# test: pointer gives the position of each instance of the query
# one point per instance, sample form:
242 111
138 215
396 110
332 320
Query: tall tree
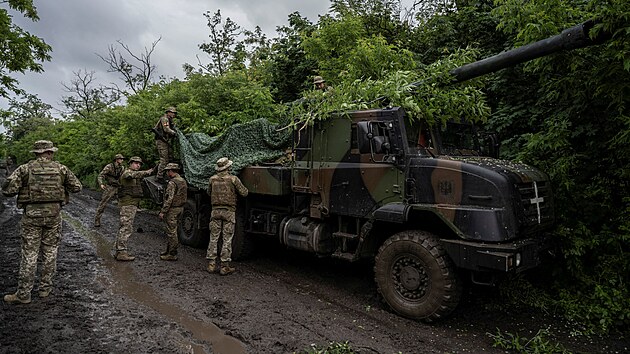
86 98
21 51
136 70
222 45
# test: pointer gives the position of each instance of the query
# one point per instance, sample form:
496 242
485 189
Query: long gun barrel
571 38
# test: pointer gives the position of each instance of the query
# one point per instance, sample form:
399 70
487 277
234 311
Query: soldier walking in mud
172 207
42 186
222 189
164 134
129 196
108 180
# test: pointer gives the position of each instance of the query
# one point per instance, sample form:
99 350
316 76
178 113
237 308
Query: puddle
127 284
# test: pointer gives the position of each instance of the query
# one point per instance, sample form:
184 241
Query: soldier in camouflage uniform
129 196
164 134
108 180
222 189
42 186
172 207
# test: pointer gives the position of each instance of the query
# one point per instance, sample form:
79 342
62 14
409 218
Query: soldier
319 83
129 196
222 189
108 180
164 134
174 200
42 186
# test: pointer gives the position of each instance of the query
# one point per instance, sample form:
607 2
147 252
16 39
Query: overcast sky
78 29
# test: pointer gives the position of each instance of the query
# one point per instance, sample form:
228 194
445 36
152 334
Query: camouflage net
245 144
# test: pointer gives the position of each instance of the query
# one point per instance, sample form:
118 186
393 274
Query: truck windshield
456 139
459 139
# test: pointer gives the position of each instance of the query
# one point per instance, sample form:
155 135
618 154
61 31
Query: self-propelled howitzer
428 206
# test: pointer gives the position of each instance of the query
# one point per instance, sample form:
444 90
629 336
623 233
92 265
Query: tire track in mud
124 282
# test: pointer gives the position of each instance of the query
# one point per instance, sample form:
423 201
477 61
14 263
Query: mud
278 301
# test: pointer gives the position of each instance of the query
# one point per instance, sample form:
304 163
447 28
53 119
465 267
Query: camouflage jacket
166 127
110 174
222 189
130 189
175 194
42 186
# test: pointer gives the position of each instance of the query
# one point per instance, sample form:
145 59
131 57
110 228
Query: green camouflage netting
245 144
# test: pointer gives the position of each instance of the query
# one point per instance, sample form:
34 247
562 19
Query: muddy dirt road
277 302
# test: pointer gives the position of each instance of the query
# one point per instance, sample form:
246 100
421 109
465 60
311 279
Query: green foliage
21 51
331 348
423 93
577 129
539 343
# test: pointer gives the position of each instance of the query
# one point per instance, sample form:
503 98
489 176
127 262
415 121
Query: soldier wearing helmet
223 188
108 181
164 134
129 196
42 186
172 207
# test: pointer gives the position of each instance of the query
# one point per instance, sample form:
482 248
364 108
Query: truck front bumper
502 257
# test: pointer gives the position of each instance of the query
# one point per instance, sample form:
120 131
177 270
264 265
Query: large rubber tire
242 242
415 276
188 231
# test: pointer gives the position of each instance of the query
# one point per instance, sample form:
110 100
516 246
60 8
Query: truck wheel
415 276
188 231
242 243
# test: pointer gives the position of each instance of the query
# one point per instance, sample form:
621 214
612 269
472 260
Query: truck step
346 256
345 235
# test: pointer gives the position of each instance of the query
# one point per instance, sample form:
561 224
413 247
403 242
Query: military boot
212 267
44 292
226 269
124 256
97 222
14 299
168 257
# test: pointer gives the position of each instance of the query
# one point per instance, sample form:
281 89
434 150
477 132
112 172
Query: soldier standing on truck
222 189
108 180
42 186
172 207
129 196
164 134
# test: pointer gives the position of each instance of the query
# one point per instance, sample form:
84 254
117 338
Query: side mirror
490 145
364 135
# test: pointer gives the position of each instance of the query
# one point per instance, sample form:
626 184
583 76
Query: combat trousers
38 233
165 151
127 215
108 194
171 218
222 222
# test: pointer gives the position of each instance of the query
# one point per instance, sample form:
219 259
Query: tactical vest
130 191
181 192
160 128
112 178
223 191
44 185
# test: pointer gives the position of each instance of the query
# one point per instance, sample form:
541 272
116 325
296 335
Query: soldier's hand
102 186
161 216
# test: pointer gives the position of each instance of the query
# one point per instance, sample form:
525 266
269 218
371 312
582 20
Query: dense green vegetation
567 113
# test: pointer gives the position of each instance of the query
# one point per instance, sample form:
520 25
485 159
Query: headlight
518 259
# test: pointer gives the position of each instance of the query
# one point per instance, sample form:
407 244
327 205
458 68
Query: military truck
429 205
